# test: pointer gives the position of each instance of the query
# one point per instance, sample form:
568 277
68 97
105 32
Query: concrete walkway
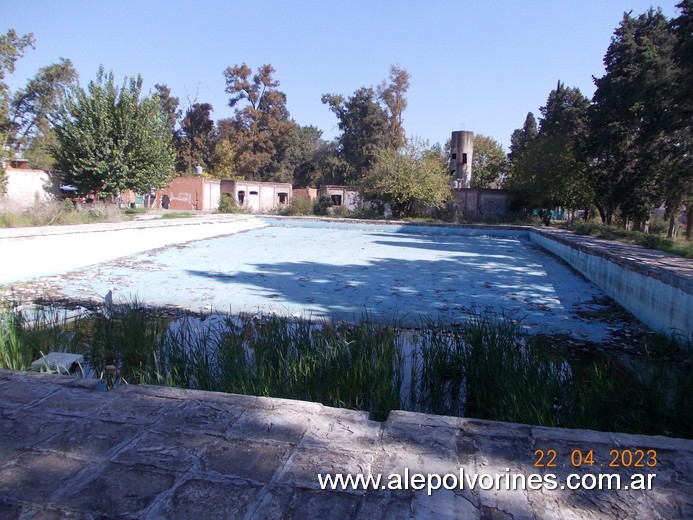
31 252
68 450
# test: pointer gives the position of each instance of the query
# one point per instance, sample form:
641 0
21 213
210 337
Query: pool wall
659 297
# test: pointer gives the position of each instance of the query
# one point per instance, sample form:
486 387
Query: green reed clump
27 335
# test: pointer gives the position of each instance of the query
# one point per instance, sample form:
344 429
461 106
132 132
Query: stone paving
69 450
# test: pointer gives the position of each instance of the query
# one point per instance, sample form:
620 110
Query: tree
522 136
12 47
678 185
196 140
364 131
34 107
407 179
262 129
392 95
549 171
489 163
630 107
168 105
112 139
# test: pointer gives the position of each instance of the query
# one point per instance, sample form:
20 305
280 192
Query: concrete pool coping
69 450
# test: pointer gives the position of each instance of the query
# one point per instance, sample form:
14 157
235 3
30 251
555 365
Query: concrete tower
461 151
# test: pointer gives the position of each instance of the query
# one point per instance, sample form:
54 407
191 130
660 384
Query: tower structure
461 152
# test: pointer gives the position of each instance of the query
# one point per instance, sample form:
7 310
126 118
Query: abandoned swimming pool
317 269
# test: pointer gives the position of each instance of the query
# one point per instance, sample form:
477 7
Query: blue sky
475 65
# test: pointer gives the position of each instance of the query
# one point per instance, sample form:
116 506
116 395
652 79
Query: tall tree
489 163
168 105
112 139
392 95
33 111
678 184
364 130
630 106
12 47
549 171
196 140
263 128
521 136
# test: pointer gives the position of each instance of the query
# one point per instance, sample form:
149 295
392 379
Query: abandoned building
189 193
26 187
461 153
258 196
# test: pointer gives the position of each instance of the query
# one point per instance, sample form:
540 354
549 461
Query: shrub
322 205
299 205
227 204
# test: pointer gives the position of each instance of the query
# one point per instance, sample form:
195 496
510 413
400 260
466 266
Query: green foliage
228 204
57 213
112 140
407 180
298 205
364 131
550 170
361 366
196 140
393 97
630 143
322 205
489 163
262 130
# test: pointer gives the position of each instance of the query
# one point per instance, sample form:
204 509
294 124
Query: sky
478 65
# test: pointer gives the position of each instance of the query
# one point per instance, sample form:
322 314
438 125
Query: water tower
461 151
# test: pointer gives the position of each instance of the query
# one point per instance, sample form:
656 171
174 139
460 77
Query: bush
322 205
227 204
299 205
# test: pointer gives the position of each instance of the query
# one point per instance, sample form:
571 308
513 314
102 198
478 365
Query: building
258 197
340 195
26 187
461 153
189 193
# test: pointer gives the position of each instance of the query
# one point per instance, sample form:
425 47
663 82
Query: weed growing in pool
485 367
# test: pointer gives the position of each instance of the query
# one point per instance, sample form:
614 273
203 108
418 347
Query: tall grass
485 368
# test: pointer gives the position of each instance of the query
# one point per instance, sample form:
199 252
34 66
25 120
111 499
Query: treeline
627 150
618 155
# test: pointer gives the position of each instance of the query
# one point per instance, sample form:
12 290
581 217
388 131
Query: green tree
489 163
262 128
196 140
549 171
521 136
112 139
12 47
364 130
409 180
678 183
34 107
630 107
392 95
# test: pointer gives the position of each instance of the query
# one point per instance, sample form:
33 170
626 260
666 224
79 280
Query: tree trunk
672 225
689 222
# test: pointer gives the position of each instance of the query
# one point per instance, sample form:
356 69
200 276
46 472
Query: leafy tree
678 184
489 163
522 136
12 47
262 129
630 109
408 179
196 140
364 130
112 139
33 108
549 171
392 95
168 105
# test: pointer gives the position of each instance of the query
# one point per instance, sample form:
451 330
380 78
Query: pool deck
71 450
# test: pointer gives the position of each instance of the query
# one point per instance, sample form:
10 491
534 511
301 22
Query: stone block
60 362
